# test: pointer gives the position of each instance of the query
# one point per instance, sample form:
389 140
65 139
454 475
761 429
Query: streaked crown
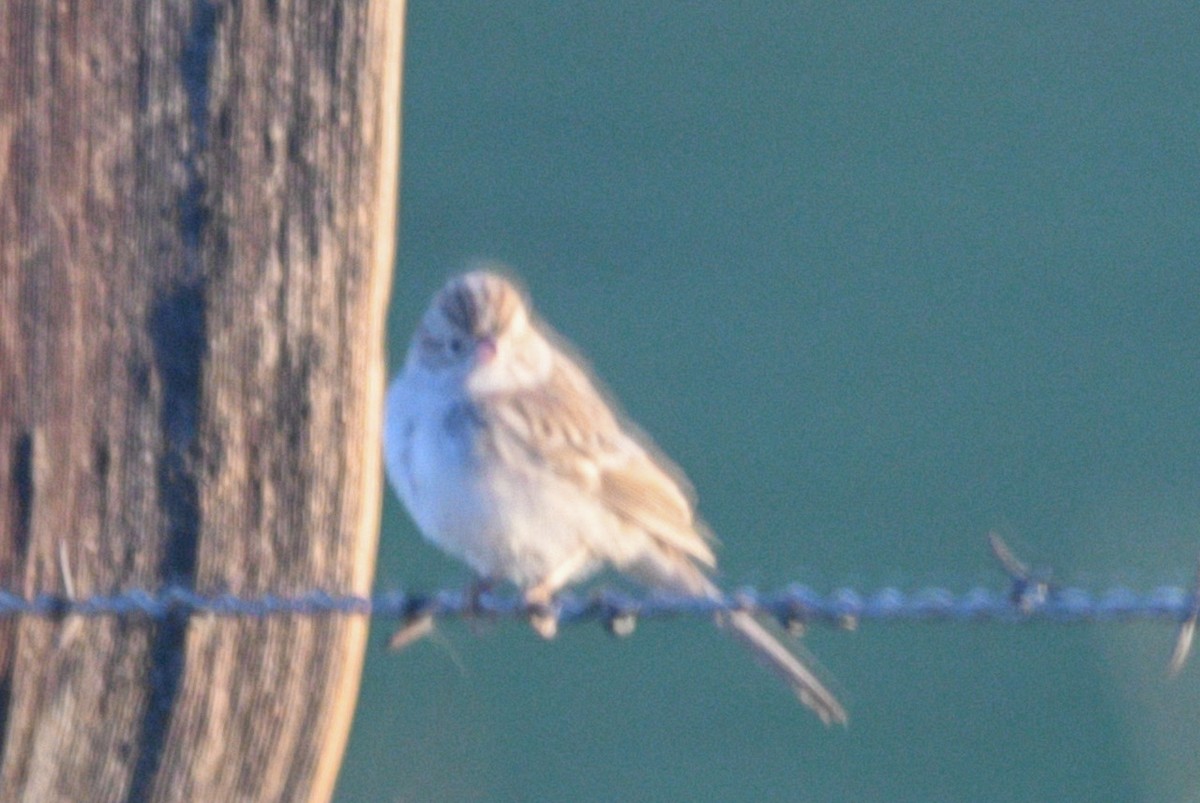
481 303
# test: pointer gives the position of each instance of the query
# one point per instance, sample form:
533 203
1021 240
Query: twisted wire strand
1031 596
793 604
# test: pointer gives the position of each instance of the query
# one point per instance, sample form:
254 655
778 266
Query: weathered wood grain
197 206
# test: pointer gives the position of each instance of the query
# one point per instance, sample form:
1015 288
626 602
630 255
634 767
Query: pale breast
503 515
439 481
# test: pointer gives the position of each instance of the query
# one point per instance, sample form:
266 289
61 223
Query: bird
511 458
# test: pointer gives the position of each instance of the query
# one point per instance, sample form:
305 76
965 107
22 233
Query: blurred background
881 278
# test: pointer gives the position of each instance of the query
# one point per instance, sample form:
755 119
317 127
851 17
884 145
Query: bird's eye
457 346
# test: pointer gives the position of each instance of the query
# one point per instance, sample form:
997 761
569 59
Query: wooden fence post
197 210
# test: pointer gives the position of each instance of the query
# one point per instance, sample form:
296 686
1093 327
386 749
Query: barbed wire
793 604
1031 596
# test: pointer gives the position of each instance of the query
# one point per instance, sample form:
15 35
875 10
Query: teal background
882 277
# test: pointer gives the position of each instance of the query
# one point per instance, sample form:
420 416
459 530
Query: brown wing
581 440
641 491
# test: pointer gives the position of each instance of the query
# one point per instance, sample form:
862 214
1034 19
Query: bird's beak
485 350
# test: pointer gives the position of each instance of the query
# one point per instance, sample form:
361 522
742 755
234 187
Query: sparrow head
477 330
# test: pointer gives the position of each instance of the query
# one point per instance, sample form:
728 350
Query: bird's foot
543 617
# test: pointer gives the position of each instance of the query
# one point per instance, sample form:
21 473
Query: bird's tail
774 656
683 576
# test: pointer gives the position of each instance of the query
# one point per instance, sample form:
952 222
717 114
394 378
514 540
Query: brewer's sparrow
510 459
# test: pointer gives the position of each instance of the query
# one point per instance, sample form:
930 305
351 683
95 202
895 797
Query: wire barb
1187 632
1029 588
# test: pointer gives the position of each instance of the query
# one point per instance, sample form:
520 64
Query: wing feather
566 425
